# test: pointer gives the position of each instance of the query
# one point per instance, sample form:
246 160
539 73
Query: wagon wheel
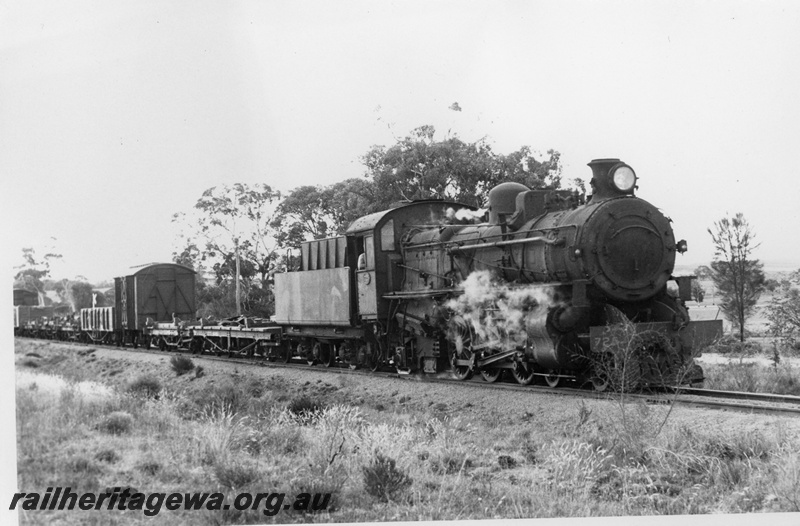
316 353
552 378
287 351
491 375
162 344
374 357
523 373
460 338
328 355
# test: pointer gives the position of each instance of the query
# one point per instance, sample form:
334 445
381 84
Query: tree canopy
784 316
419 166
34 270
317 212
227 220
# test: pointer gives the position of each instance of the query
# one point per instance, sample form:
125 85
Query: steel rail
739 395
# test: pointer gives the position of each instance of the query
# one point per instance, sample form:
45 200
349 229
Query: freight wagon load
31 321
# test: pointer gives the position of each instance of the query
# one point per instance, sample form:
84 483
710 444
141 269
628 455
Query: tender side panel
314 297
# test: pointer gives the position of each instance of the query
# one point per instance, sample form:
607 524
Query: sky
116 115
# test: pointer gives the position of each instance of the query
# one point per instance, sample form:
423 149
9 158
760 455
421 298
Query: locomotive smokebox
611 178
503 201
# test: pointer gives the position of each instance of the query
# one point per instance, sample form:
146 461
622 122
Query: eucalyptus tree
739 279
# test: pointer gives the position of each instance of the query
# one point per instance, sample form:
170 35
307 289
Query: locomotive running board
413 294
486 361
496 358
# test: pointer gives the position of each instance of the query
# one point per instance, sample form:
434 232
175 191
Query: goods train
542 286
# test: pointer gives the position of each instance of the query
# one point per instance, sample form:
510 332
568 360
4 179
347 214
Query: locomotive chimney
611 178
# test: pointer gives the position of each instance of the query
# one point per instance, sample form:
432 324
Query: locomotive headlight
624 177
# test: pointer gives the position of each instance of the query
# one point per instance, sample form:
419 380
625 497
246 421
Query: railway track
762 403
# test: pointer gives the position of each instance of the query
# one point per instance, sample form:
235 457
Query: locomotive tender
542 289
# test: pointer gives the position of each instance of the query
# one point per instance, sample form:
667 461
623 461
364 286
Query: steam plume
498 313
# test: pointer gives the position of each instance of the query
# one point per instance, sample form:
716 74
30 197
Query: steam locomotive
549 287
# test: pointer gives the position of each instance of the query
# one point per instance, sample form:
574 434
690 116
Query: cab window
369 251
387 236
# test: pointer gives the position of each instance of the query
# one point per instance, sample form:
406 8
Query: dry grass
780 378
400 462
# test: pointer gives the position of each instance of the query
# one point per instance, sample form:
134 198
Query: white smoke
465 214
498 313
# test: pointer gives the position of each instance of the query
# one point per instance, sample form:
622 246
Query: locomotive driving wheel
523 373
460 337
600 381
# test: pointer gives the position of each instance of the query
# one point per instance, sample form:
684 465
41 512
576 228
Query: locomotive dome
503 201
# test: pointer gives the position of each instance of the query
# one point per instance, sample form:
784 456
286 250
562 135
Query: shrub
181 364
384 480
227 395
304 406
255 387
786 484
506 462
451 462
107 455
575 466
731 345
82 464
278 440
145 385
149 467
116 423
235 475
784 379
